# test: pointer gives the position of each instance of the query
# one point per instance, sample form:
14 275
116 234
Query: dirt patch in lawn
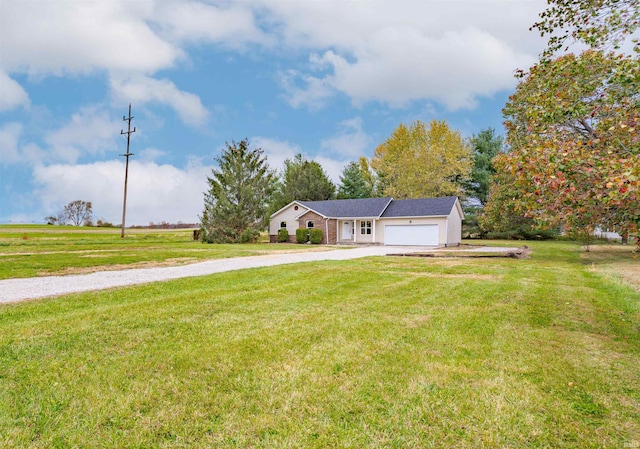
115 267
523 252
615 261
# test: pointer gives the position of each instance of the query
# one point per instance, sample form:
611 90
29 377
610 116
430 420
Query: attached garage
411 235
377 221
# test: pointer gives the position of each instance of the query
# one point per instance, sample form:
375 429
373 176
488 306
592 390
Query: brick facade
274 238
319 222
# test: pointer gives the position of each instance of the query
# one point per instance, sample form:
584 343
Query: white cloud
154 193
10 134
42 38
351 141
450 52
277 151
90 131
150 154
314 91
12 94
233 26
143 89
332 167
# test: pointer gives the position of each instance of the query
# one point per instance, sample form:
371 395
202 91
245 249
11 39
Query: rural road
13 290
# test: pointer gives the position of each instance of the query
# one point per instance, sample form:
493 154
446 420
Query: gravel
14 290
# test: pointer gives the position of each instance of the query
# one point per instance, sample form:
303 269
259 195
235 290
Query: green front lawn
378 352
40 250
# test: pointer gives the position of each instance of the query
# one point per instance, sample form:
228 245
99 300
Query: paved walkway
13 290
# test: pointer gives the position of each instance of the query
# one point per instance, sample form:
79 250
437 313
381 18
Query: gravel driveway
13 290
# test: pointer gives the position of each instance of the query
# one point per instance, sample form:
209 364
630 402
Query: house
382 221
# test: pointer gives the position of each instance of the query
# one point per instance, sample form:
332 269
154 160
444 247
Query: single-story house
382 221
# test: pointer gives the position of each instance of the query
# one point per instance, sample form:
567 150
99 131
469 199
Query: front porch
356 231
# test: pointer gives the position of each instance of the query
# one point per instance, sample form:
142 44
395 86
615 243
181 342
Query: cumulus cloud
352 141
9 137
277 151
155 192
392 52
90 131
449 52
12 95
143 89
232 25
42 38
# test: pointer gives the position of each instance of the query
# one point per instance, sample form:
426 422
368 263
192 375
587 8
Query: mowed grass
378 352
40 250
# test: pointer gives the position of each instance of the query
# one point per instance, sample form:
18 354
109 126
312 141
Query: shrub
283 235
315 236
523 233
302 235
249 235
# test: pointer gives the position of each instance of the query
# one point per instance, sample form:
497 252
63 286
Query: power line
128 132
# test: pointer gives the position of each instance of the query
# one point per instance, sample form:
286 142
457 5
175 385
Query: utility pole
126 170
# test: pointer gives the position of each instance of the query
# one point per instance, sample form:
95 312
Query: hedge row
309 235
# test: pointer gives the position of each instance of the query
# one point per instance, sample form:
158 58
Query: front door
347 230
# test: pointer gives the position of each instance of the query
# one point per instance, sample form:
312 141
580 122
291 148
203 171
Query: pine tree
353 183
236 204
303 180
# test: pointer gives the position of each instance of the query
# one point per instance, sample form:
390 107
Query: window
365 227
310 224
283 225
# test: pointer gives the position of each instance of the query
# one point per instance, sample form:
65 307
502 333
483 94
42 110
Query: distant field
386 352
40 250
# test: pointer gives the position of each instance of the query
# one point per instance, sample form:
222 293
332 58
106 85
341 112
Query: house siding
289 215
454 230
365 238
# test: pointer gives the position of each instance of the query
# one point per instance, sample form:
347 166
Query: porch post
374 230
355 231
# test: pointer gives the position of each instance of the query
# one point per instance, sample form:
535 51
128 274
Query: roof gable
420 207
353 208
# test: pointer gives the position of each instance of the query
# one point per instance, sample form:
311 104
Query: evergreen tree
235 206
486 145
302 180
353 183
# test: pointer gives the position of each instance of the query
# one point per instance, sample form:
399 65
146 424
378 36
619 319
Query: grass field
379 352
38 250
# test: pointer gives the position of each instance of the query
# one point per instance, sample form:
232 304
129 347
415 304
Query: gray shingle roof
365 207
385 207
420 207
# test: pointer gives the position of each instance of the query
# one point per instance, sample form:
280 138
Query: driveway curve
13 290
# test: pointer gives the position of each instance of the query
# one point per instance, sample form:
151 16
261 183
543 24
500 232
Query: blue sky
329 79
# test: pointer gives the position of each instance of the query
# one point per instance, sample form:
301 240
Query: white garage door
404 235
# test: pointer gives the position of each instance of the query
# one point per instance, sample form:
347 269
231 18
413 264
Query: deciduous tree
237 199
573 128
596 23
423 161
78 212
